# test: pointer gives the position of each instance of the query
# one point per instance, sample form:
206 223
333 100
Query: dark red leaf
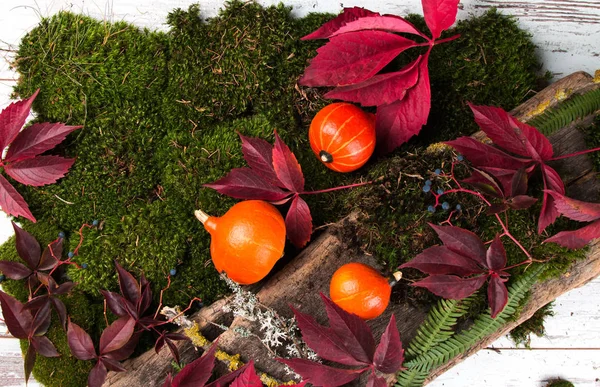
115 303
225 380
353 57
521 202
578 238
63 288
245 183
128 284
97 375
14 270
535 139
61 311
248 378
286 166
37 139
48 261
173 349
329 28
116 335
324 341
397 122
12 202
177 336
442 260
259 155
353 332
439 15
149 321
12 119
575 209
168 381
505 177
30 356
80 343
145 300
41 320
461 241
375 381
497 208
160 342
518 184
36 302
39 171
17 319
380 89
450 286
28 247
318 374
197 372
298 222
497 294
485 183
496 255
127 350
552 182
389 355
44 346
483 155
112 365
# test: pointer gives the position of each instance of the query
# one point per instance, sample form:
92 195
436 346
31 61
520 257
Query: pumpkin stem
201 216
397 276
325 157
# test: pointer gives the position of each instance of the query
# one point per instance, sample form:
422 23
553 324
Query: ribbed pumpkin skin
360 289
247 241
346 133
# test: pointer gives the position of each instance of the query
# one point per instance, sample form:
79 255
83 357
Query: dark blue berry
460 158
458 207
426 188
440 191
71 254
431 209
438 171
84 266
95 223
173 271
2 277
61 235
446 206
428 182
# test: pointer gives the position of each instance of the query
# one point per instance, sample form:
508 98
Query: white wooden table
567 33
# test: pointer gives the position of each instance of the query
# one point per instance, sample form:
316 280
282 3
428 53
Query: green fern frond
439 325
574 108
411 378
483 326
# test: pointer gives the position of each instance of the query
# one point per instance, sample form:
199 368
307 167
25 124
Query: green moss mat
161 111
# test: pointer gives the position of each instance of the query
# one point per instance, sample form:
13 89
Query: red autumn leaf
324 341
97 375
80 342
248 378
245 183
534 139
27 246
37 139
496 255
146 299
485 183
14 270
521 202
197 372
259 155
116 335
462 241
115 303
52 253
380 89
321 375
575 209
576 239
298 222
353 332
130 288
389 354
397 122
17 319
61 311
41 321
40 170
356 19
29 361
552 182
112 365
286 166
225 380
497 294
44 346
518 185
483 155
126 350
12 119
439 15
441 260
451 286
375 381
353 57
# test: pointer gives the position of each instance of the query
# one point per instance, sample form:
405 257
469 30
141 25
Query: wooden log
298 284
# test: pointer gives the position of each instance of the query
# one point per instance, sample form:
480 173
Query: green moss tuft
534 325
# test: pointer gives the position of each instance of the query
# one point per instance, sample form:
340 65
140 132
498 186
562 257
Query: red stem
574 154
447 39
334 188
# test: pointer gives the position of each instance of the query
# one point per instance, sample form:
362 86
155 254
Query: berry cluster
439 192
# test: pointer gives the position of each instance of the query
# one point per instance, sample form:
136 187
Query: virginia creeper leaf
442 260
245 183
353 57
130 288
61 311
518 184
259 155
44 346
41 320
439 15
354 333
375 381
29 359
116 335
348 15
225 380
36 302
535 139
391 23
298 222
286 166
125 351
51 255
575 209
197 372
552 182
496 255
451 286
12 119
112 365
497 294
248 378
485 183
578 238
37 139
14 270
321 375
483 155
39 171
28 247
521 202
80 343
17 319
173 349
389 354
462 241
97 375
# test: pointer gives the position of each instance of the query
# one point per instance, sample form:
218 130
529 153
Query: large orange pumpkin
342 136
360 289
247 241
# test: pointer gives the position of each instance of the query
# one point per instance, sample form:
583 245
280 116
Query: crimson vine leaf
286 166
27 246
17 319
439 15
438 260
115 303
375 381
14 270
29 361
318 374
246 183
578 238
461 241
389 354
552 182
116 335
97 375
80 343
347 16
12 202
41 321
259 156
37 139
197 372
44 346
495 257
497 294
40 170
130 288
248 378
225 380
298 222
12 118
451 286
112 365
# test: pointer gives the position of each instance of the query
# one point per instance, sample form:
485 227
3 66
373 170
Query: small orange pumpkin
360 289
247 241
342 136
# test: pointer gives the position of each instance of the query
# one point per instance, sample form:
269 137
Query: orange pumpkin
360 289
247 241
342 136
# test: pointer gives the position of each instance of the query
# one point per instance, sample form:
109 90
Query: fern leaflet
411 378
